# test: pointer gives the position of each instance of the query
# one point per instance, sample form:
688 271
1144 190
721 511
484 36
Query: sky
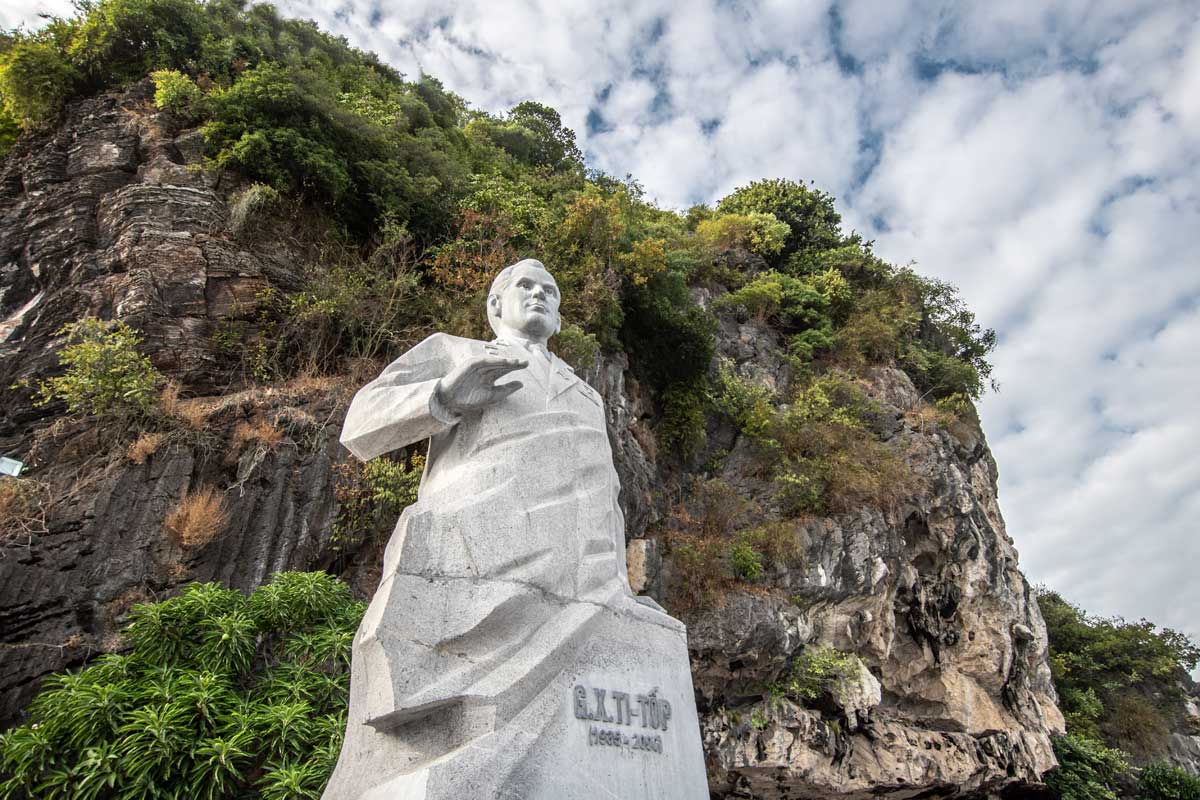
1042 156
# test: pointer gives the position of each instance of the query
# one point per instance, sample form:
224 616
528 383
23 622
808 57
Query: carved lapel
562 377
534 373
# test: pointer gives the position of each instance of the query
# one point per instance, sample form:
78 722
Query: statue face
529 304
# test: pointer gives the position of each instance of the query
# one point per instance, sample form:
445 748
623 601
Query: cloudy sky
1043 156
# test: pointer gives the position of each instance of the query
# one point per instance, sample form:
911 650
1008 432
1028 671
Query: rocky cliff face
108 216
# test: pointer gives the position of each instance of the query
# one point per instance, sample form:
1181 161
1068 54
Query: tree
1106 669
813 222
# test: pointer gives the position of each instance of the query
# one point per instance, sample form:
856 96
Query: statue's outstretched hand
472 385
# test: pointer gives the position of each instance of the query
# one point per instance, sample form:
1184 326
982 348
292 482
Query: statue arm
401 405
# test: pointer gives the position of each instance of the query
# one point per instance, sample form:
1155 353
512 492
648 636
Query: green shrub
803 307
105 372
812 221
371 496
949 353
746 562
176 92
35 81
221 695
284 125
780 543
682 424
749 405
826 459
1165 782
761 234
577 348
1105 669
1087 770
815 671
125 40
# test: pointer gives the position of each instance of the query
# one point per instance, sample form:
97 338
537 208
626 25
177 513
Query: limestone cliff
108 216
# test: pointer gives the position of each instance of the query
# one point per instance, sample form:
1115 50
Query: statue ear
493 302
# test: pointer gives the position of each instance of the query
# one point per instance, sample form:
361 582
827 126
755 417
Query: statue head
523 302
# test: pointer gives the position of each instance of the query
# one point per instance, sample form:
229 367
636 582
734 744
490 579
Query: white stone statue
504 655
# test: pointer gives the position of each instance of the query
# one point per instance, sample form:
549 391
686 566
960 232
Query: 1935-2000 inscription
652 711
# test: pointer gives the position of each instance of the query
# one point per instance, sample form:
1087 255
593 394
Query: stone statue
504 655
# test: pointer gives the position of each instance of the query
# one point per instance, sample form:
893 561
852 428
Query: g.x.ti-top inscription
652 711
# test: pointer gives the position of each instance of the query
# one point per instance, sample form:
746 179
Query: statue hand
472 385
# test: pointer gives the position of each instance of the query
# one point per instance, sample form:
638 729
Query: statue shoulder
446 345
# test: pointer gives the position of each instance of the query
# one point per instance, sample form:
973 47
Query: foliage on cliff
454 193
1117 682
220 695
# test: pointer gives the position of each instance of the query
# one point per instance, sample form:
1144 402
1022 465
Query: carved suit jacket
522 490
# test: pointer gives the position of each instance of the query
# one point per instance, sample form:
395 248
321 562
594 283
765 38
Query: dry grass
257 432
305 385
197 518
145 446
14 501
22 508
192 413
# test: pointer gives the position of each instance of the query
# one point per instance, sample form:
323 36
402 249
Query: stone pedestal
597 704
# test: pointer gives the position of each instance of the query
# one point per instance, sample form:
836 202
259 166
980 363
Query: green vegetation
813 223
1164 782
425 198
105 373
1087 770
815 671
371 496
221 695
1106 669
1116 682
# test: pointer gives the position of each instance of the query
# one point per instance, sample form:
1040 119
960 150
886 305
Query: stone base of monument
595 703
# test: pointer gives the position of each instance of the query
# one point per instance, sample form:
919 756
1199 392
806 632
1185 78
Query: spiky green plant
221 696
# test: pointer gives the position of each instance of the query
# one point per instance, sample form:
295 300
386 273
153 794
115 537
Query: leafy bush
815 671
1104 669
746 561
35 81
812 221
221 695
807 307
533 134
1087 770
1165 782
105 372
577 348
779 543
124 40
826 458
949 354
176 92
761 234
371 496
749 405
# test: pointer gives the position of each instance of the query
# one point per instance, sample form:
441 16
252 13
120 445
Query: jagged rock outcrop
929 597
108 215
